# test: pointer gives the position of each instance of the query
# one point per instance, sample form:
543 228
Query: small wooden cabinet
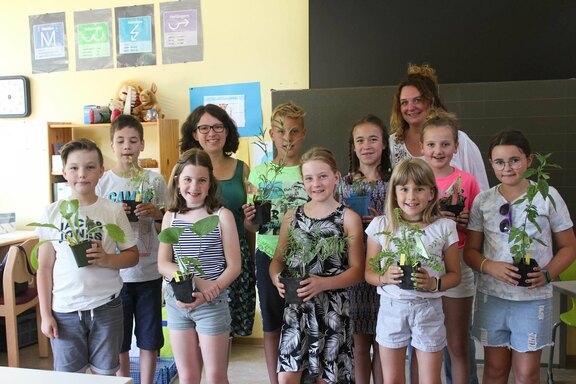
160 138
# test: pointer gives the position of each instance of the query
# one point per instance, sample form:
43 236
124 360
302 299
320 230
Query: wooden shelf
160 138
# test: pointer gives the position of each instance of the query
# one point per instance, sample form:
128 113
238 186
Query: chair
16 270
568 317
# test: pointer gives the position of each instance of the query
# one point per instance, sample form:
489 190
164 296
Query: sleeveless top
208 249
233 196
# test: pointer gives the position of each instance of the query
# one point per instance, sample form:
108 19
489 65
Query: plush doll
128 98
148 101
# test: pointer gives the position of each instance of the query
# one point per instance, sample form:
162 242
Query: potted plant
410 254
301 249
358 199
267 182
140 182
518 238
188 266
78 236
454 202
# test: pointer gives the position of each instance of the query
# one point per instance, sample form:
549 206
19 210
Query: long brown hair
198 157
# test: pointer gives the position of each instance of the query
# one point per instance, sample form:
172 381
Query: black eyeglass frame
205 128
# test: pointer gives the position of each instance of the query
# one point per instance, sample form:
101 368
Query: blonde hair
289 110
321 154
440 118
419 172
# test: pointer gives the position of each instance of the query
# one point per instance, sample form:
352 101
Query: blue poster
242 102
135 34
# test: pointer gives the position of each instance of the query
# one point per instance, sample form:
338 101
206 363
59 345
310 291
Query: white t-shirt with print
81 289
485 217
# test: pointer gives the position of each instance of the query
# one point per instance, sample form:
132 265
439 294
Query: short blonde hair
289 110
440 118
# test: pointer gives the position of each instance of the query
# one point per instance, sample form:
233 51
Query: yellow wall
244 41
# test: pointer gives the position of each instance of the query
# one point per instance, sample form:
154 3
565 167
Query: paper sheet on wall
241 101
48 42
135 42
181 31
93 32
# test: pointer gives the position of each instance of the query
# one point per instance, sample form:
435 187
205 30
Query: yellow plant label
402 259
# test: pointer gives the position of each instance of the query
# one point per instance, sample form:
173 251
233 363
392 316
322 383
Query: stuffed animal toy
128 98
148 101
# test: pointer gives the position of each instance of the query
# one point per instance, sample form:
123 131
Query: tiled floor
247 365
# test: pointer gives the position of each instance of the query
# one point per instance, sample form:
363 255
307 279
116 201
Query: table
25 375
15 237
566 287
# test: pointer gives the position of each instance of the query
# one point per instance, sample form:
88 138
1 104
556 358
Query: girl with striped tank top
192 192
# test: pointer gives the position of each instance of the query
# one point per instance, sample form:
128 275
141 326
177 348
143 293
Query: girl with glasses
512 322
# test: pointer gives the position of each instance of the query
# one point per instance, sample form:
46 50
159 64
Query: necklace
195 206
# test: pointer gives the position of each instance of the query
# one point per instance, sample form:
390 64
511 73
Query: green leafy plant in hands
409 248
188 265
140 181
518 238
302 247
74 233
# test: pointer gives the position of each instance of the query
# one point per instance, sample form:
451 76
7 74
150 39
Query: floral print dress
316 336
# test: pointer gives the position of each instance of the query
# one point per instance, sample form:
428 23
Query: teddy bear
148 101
128 98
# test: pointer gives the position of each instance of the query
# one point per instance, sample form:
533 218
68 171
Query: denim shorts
421 320
211 318
271 303
142 303
89 339
521 325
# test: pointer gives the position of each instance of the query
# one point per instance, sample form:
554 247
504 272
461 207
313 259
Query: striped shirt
208 249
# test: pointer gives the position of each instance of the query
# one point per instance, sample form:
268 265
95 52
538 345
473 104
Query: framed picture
14 96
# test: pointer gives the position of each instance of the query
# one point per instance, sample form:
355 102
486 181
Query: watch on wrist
546 275
437 285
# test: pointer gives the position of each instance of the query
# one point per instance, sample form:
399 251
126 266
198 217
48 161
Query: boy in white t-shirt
80 307
142 290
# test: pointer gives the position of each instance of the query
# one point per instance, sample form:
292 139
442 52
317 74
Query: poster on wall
93 32
48 42
241 101
181 31
135 45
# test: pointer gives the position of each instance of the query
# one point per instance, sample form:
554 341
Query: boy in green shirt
287 133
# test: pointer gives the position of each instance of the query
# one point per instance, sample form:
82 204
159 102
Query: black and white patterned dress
316 336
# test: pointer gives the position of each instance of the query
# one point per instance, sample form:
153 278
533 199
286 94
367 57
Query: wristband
437 285
546 275
482 265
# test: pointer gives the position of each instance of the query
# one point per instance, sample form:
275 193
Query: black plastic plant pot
406 280
132 204
79 252
291 284
523 270
183 289
263 211
456 209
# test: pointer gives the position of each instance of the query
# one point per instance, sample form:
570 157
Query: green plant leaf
52 226
206 225
115 232
170 235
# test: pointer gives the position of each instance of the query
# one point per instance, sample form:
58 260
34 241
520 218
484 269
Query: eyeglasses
205 128
514 163
506 223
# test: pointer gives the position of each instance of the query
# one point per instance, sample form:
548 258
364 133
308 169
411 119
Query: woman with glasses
511 321
210 128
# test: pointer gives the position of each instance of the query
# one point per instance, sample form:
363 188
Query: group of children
348 307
